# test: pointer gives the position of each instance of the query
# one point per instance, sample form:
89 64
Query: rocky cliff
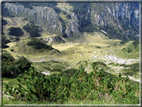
120 15
122 18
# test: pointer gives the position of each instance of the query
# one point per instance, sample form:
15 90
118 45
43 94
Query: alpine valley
70 53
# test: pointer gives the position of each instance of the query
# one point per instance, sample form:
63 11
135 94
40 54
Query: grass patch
63 16
132 71
51 66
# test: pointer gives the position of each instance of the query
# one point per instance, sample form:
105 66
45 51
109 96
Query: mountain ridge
118 20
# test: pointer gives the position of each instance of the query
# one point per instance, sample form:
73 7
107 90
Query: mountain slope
32 46
115 20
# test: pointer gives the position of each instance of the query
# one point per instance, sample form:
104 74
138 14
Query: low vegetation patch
32 29
132 47
96 86
16 31
37 44
4 22
4 42
12 68
51 66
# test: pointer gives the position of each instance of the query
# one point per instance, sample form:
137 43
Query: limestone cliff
122 18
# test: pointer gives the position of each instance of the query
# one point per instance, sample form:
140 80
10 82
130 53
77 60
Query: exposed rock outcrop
43 16
54 39
121 16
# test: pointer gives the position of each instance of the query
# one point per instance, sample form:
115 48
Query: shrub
98 47
23 64
129 49
10 71
4 22
38 44
12 68
7 57
16 31
136 43
4 46
57 9
64 12
36 87
68 17
12 50
4 40
17 38
32 29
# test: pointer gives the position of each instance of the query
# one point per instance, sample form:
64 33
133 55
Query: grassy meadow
95 47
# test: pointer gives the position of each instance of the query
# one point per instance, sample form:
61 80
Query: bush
34 33
4 40
4 46
57 9
10 71
23 64
79 85
7 57
63 27
37 44
12 50
16 31
12 68
4 22
68 17
6 13
98 47
17 38
64 12
32 29
136 43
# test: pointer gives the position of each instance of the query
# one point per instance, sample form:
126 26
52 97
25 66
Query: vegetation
35 87
63 27
6 13
58 39
132 47
136 43
114 33
4 42
133 70
68 16
4 46
4 22
12 68
51 66
85 23
16 31
57 9
37 44
67 83
32 29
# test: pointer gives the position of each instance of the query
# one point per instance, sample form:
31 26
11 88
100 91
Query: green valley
69 53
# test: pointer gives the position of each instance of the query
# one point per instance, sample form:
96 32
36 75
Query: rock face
43 16
72 28
55 39
121 16
113 12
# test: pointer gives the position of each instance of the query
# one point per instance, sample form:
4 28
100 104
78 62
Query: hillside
72 19
70 53
29 46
